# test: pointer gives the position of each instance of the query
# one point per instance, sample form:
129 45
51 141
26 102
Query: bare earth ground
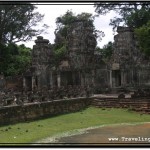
124 134
140 134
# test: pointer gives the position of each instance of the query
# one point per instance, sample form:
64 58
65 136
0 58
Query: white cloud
51 12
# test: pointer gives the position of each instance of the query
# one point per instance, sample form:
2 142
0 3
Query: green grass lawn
36 130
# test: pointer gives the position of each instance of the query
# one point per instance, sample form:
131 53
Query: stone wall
102 81
141 105
81 46
13 82
31 111
128 65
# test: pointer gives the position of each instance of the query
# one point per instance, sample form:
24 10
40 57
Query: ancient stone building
125 55
81 47
77 69
39 74
128 66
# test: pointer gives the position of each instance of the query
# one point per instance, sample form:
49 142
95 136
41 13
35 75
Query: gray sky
51 12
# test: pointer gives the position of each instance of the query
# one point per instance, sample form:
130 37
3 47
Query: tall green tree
14 59
106 51
143 36
139 18
133 14
18 22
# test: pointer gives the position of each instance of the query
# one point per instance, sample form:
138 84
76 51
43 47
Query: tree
18 22
132 14
106 51
14 59
139 18
63 23
143 36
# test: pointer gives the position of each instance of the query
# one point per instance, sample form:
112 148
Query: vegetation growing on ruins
106 51
64 23
37 130
18 22
43 83
132 14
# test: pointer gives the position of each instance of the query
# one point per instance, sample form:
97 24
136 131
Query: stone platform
141 105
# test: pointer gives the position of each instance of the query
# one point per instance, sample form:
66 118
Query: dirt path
124 134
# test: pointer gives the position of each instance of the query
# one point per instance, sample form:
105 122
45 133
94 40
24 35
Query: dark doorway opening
76 78
116 78
29 83
36 81
66 78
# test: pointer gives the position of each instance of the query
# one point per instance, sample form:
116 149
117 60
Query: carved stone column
24 83
111 78
51 79
58 80
122 78
82 78
33 82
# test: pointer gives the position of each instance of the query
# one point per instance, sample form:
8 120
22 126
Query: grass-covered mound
36 130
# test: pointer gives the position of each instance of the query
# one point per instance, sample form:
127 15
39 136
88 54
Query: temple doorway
116 78
28 80
66 78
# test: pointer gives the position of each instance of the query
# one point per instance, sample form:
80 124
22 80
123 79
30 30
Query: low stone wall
139 105
31 111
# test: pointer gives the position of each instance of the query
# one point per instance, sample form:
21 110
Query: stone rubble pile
10 97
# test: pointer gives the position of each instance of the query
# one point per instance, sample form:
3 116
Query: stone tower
125 58
125 47
81 47
39 74
41 56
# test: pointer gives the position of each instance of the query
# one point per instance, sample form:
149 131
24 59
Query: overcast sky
51 12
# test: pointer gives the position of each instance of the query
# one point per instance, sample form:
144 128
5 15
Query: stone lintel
124 29
41 40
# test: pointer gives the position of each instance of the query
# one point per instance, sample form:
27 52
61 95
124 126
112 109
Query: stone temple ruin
77 70
128 68
74 77
82 71
82 68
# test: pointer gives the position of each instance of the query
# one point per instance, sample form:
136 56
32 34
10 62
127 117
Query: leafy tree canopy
63 23
14 59
106 51
18 22
143 35
132 14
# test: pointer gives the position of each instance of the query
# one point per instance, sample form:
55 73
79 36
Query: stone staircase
138 105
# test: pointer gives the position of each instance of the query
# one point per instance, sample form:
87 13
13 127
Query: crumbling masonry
77 70
83 69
